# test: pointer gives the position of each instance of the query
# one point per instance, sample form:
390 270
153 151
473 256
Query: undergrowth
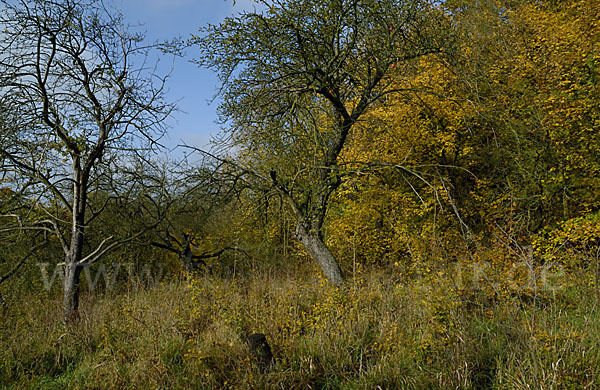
378 331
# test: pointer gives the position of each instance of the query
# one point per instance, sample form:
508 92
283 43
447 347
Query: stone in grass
261 351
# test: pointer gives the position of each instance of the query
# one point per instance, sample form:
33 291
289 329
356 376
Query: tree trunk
71 291
313 243
73 267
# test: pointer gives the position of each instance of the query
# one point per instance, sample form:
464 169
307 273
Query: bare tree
199 190
83 106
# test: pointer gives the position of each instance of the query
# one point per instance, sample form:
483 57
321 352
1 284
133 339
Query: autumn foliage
462 204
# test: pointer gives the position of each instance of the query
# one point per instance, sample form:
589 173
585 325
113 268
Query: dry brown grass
376 331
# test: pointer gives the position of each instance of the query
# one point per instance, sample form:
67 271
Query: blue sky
189 85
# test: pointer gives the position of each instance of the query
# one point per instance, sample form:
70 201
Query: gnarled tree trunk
314 244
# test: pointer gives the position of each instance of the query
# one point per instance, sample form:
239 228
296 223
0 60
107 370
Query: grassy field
379 331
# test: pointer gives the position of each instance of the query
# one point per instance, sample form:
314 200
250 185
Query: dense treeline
496 139
503 136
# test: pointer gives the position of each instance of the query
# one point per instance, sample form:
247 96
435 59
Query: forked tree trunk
73 266
313 243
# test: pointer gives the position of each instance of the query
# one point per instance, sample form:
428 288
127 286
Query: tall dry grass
379 331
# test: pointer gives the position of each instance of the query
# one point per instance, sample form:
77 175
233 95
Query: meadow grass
378 331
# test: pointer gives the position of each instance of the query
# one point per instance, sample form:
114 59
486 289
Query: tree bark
71 292
73 256
314 244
